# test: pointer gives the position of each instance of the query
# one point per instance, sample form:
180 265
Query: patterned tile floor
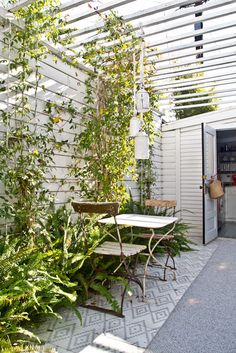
142 319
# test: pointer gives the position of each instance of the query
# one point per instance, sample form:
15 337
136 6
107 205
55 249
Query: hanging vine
104 153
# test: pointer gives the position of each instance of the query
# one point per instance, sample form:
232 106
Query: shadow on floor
228 230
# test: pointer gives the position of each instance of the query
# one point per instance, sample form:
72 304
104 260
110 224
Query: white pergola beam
147 12
192 34
192 79
213 4
163 19
52 49
216 96
202 105
166 27
195 61
221 82
157 9
194 44
105 7
63 7
184 84
204 93
180 71
199 69
20 4
72 4
201 51
192 21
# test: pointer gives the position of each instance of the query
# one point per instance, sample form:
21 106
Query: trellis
177 54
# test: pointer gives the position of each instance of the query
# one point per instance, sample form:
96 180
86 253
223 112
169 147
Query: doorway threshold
228 230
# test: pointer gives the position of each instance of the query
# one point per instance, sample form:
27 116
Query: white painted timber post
178 169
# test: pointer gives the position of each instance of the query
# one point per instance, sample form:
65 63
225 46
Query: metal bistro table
145 221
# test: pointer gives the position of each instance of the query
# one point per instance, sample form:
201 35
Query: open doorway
226 169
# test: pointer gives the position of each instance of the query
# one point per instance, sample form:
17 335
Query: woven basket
215 189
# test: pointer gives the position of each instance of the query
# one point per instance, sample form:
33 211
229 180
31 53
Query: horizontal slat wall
61 83
157 167
168 172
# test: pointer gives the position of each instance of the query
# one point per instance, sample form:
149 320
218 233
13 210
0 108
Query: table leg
151 256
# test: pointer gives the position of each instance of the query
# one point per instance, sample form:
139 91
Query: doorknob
201 187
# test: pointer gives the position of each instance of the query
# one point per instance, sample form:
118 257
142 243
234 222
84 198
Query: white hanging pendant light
143 101
134 126
142 96
141 146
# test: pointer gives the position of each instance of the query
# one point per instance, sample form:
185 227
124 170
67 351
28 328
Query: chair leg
170 267
173 267
173 260
132 277
165 269
123 298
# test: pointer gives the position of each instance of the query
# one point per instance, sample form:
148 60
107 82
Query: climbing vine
29 143
104 153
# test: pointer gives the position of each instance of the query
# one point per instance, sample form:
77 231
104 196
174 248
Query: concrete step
108 343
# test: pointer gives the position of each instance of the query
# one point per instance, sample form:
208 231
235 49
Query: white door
210 228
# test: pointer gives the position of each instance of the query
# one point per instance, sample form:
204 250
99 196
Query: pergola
191 37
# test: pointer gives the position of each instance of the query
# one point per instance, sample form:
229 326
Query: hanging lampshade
134 126
142 101
141 146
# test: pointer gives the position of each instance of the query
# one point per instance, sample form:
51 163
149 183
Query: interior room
226 168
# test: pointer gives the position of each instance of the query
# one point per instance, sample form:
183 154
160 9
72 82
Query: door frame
203 187
217 127
204 127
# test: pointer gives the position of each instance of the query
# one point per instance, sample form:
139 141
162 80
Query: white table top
143 221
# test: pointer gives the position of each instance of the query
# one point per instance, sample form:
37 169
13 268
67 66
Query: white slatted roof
170 27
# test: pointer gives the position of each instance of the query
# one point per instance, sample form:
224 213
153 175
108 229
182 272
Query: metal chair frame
167 237
117 248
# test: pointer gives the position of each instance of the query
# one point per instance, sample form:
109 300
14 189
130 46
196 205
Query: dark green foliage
31 285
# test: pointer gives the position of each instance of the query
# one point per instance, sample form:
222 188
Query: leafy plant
104 153
6 347
31 285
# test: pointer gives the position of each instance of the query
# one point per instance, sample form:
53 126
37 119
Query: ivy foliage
104 153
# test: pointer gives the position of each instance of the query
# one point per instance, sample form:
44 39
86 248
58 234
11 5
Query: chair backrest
167 204
161 203
110 208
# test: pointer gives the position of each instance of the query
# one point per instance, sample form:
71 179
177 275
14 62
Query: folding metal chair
163 208
112 248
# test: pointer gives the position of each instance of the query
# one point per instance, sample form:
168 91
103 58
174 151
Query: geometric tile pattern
142 319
